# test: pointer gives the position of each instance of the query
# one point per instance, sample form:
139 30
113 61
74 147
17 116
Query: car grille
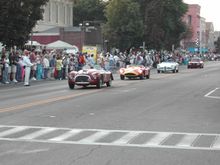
82 79
130 74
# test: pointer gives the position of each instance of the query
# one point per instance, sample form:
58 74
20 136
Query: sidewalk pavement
13 84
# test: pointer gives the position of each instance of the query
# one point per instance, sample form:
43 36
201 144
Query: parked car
196 62
90 76
168 66
135 71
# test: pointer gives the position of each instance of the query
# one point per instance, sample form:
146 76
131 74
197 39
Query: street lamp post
82 33
106 46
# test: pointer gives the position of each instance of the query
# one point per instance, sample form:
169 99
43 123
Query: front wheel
122 77
71 86
99 83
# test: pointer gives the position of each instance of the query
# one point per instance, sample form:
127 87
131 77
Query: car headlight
71 76
95 75
121 71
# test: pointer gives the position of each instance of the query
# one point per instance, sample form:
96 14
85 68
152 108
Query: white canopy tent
60 45
1 46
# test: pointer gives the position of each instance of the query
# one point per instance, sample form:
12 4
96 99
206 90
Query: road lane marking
188 140
158 139
127 138
211 92
121 138
94 137
46 101
66 135
12 131
38 133
216 143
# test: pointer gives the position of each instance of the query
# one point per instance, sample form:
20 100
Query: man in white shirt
27 64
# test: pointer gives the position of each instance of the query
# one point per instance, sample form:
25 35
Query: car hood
135 70
167 64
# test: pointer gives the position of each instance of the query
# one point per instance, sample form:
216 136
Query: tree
124 27
217 45
88 10
17 20
163 24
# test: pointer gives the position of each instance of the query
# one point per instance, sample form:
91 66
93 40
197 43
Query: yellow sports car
135 71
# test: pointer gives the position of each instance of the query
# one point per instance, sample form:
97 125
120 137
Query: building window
49 11
189 20
57 13
64 14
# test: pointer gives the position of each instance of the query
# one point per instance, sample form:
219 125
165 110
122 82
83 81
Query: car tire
158 71
141 77
122 77
71 86
99 83
148 76
174 70
109 83
177 71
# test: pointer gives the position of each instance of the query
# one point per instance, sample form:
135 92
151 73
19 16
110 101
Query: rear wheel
109 83
141 77
148 76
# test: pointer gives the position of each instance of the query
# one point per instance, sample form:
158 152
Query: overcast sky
210 10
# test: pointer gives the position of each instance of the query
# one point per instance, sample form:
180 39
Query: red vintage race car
195 62
135 71
90 76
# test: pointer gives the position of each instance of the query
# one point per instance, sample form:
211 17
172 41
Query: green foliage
17 20
163 22
124 26
88 10
217 45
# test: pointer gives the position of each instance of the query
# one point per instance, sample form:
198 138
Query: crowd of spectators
56 64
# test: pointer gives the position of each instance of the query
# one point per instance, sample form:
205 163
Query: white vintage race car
168 66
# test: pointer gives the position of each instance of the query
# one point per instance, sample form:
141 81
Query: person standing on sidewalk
59 66
28 65
5 62
13 58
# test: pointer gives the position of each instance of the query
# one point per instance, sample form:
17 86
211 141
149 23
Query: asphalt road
170 119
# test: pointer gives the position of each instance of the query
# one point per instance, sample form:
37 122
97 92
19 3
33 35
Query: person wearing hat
28 65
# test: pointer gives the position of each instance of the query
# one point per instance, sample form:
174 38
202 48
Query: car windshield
170 60
196 60
98 67
133 65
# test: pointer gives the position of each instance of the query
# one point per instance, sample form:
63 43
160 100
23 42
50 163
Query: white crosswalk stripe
188 140
38 133
216 143
66 135
125 138
94 137
157 139
12 131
